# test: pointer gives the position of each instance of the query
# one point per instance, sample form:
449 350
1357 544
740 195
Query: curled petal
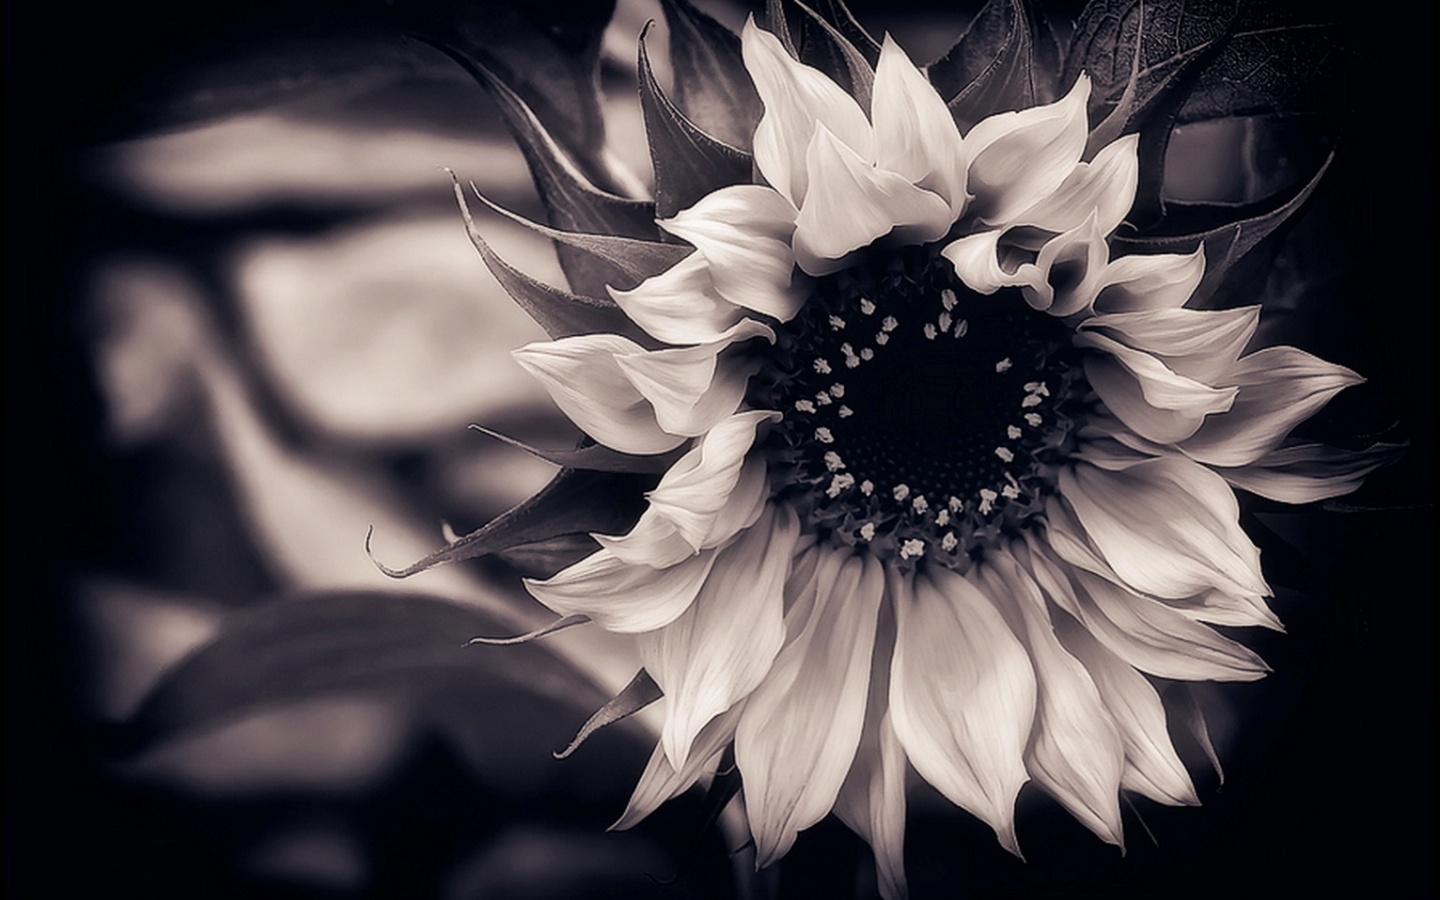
621 596
1198 344
744 231
976 259
692 498
962 695
797 98
1167 527
915 135
1070 265
1279 387
1104 186
582 375
680 305
720 648
1148 396
801 726
1018 158
1144 282
692 388
851 203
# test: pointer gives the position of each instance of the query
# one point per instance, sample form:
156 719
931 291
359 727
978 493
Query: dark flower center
922 420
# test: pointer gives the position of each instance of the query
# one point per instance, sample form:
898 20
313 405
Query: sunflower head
936 469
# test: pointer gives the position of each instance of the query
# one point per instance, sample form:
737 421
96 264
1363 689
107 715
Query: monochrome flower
1023 506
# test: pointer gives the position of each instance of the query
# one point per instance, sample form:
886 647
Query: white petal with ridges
1018 158
582 375
796 98
692 388
1167 527
801 726
1147 395
1142 282
1075 751
1104 186
621 596
915 135
962 695
720 648
1306 473
1152 768
680 305
851 203
1198 344
661 781
1279 387
744 231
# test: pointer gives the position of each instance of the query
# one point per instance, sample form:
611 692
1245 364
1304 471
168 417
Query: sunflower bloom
942 476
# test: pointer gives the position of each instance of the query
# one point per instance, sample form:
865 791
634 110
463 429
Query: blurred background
244 325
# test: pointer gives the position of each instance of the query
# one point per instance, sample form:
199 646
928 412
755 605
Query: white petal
1198 344
796 98
1075 751
1306 473
976 259
680 305
660 781
1142 282
692 388
801 726
692 497
851 203
586 382
744 231
1071 266
621 596
1104 186
1280 387
720 648
1167 527
1145 394
962 695
872 800
1152 767
1018 158
915 135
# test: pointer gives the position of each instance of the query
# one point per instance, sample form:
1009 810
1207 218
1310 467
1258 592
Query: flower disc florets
921 419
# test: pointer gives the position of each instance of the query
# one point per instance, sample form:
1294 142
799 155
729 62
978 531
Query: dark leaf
598 260
635 696
823 46
778 24
711 84
570 200
1242 228
688 162
544 558
596 457
993 67
575 502
839 15
294 649
1289 68
560 313
546 51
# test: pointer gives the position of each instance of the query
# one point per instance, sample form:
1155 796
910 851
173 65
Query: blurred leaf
599 259
546 51
298 649
559 312
576 502
1243 227
688 162
823 46
711 83
994 66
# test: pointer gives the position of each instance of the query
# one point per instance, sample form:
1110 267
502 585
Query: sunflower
942 476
